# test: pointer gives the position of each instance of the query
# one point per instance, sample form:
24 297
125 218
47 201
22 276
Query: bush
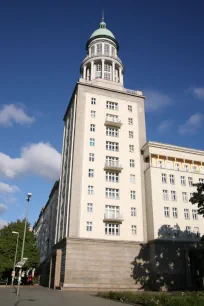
160 299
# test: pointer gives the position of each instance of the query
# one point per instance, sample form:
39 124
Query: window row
175 213
110 104
112 176
111 160
112 193
111 229
111 131
111 211
177 166
173 197
176 230
164 178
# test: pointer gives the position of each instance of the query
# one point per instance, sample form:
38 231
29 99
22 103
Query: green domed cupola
102 31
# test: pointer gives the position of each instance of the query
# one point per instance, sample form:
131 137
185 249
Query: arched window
106 49
107 71
99 49
92 50
98 71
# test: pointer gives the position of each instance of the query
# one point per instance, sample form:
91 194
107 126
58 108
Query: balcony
113 165
113 121
113 217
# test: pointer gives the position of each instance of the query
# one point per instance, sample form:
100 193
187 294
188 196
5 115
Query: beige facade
170 172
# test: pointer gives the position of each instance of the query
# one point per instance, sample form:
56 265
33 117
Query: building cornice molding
160 145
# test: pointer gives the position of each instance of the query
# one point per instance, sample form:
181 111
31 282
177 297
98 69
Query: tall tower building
101 208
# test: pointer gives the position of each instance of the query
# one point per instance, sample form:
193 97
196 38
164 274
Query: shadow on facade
174 261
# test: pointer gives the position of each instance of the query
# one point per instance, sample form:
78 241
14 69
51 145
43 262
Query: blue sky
42 46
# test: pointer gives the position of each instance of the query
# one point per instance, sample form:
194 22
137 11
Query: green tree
198 198
8 247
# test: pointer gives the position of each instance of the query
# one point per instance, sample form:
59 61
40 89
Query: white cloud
6 188
165 126
156 100
10 113
191 125
41 159
199 92
3 208
2 223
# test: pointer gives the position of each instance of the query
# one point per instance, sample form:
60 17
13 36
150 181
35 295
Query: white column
103 61
122 78
92 70
120 74
84 72
102 48
113 72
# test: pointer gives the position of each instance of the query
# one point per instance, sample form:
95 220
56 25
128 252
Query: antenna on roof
103 15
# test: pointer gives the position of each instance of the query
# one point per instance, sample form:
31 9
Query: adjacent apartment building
118 192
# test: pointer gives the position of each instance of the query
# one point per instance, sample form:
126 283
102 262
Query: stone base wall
100 264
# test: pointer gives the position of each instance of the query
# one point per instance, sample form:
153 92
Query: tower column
113 72
122 78
84 72
120 74
103 62
92 70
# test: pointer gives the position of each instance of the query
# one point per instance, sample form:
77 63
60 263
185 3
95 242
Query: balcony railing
113 217
100 55
113 121
113 165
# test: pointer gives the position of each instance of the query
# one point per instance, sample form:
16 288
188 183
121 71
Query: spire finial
103 15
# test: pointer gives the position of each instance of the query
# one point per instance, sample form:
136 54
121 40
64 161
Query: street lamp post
29 195
14 264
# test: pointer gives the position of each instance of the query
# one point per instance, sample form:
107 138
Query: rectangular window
134 229
186 168
112 146
112 193
201 180
196 230
99 49
132 195
130 108
132 163
185 196
177 166
112 229
106 49
92 50
166 212
160 164
90 189
175 212
186 214
112 177
91 173
112 161
194 214
133 212
93 114
165 195
183 180
93 101
130 134
173 195
111 105
172 179
91 157
98 71
112 118
188 229
190 181
89 207
92 127
112 212
164 178
132 178
112 132
92 142
131 148
130 121
89 226
194 168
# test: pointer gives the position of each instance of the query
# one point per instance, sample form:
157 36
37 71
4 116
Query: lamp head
29 195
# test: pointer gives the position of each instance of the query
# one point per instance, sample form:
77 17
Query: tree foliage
198 198
8 247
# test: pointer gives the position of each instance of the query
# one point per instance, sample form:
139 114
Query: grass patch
157 299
